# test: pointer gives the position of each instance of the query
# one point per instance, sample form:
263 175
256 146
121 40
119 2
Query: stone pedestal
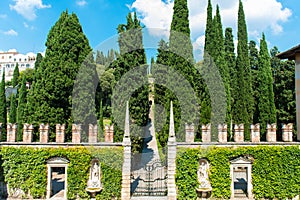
238 133
109 133
11 132
287 132
222 130
206 133
76 133
60 133
93 133
44 133
255 133
271 133
27 133
189 133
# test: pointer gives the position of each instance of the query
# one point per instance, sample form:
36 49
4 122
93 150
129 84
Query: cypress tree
266 105
132 54
243 106
3 111
101 124
16 75
50 98
21 109
13 109
253 57
37 64
208 46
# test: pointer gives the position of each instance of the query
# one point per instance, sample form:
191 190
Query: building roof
289 54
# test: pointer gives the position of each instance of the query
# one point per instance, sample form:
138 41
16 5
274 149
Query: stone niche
241 178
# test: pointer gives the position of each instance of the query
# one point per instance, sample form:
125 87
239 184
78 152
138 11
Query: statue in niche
94 183
202 174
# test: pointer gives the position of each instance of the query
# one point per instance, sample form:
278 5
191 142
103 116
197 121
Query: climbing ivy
275 171
25 168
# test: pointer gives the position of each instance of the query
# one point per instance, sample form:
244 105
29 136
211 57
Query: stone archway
57 184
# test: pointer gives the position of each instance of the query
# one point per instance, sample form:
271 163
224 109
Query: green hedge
275 171
25 168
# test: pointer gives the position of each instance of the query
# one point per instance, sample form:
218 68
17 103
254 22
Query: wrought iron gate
150 180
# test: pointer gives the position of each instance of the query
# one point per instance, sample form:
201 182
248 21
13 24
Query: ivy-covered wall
26 168
275 170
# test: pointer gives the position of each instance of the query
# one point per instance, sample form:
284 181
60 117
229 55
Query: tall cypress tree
132 54
208 46
16 75
21 109
266 104
3 110
13 109
50 98
243 106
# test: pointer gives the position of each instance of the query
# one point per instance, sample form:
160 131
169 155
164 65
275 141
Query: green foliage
25 168
50 99
243 106
21 109
15 77
29 75
13 109
3 110
274 168
266 105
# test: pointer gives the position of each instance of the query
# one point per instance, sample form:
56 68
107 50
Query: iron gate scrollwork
150 180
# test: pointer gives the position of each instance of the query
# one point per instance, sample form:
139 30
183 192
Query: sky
24 24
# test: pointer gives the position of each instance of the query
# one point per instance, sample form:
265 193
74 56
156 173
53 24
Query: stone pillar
109 133
11 132
255 133
93 133
60 133
287 132
76 133
206 133
27 133
171 184
271 133
126 168
238 133
222 136
297 87
44 133
189 133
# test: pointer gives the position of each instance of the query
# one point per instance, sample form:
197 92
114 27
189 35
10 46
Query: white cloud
3 16
155 14
28 26
27 8
260 16
10 32
81 2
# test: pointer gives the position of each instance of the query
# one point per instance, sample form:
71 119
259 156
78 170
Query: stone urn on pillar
94 185
204 189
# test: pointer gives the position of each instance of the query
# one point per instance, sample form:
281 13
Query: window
27 65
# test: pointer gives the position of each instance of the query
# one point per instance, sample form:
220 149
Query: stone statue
95 172
94 183
202 174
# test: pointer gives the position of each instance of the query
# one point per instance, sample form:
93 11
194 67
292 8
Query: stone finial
109 133
44 133
222 136
189 132
206 133
11 132
60 133
27 133
287 132
238 133
127 126
255 133
171 127
76 133
93 133
271 132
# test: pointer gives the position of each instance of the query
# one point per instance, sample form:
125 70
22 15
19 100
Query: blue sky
24 24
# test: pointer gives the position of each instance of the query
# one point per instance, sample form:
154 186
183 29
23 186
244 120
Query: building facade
10 59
